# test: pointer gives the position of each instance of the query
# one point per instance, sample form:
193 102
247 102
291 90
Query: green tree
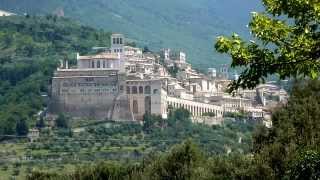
62 121
295 126
305 166
40 123
181 163
287 43
22 127
151 122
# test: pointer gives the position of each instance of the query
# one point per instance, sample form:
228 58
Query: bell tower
117 43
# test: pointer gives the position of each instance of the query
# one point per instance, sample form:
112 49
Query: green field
60 150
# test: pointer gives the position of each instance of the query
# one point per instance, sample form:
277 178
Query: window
92 64
135 107
104 64
98 64
121 88
140 90
120 40
114 40
155 91
147 90
128 90
134 90
147 104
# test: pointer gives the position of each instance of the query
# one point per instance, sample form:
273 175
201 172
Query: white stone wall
196 108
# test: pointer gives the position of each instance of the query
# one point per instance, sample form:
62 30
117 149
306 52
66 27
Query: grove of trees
30 49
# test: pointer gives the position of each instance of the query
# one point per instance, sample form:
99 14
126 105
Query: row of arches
141 90
102 64
195 110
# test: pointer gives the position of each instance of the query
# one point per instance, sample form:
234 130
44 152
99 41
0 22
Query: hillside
183 24
31 48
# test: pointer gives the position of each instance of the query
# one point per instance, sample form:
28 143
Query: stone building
123 84
92 89
85 93
117 43
146 96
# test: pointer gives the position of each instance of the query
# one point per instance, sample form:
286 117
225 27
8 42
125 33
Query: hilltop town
77 102
123 83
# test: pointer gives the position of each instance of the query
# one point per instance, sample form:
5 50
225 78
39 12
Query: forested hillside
31 48
183 24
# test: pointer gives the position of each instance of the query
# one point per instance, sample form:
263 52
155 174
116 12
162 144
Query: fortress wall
85 96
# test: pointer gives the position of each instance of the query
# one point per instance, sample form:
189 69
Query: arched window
135 107
140 90
134 90
92 64
147 90
155 91
147 105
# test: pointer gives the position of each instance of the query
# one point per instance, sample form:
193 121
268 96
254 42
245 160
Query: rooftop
100 56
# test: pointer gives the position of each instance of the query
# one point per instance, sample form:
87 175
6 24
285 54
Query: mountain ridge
179 24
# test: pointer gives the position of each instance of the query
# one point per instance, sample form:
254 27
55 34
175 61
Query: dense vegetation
182 24
287 43
288 150
64 150
31 48
184 161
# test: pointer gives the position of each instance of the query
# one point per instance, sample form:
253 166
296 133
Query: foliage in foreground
295 132
288 150
288 43
184 161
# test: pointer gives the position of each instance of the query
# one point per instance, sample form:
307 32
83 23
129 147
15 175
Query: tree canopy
30 49
286 43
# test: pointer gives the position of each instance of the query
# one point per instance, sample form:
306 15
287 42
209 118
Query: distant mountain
189 25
